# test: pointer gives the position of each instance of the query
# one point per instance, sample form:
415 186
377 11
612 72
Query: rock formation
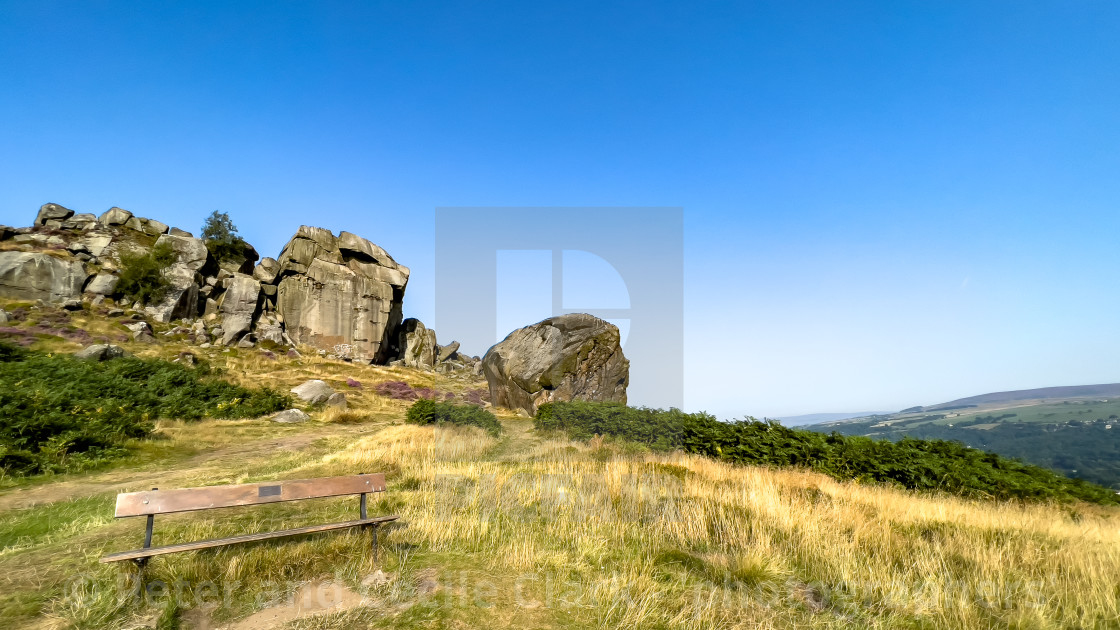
570 357
339 294
40 276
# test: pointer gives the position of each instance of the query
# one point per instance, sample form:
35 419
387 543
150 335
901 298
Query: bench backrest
190 499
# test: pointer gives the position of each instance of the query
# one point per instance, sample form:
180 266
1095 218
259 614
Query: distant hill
816 418
1073 430
1110 390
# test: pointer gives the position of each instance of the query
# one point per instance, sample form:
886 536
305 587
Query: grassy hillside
517 528
1078 438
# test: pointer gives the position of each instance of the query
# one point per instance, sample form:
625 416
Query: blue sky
886 203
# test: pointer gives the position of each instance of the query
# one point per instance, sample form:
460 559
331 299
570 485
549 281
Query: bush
425 411
142 275
60 413
910 463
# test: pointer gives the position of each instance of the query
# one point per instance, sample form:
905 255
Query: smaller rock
114 216
337 399
446 352
115 312
177 232
290 416
72 305
139 327
246 342
293 354
205 345
143 337
100 352
155 228
102 284
186 358
4 316
52 211
377 578
313 392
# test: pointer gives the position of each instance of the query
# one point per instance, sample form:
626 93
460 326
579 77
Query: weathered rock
114 216
337 399
83 221
72 305
37 276
313 392
102 284
96 242
155 228
239 306
266 270
329 295
448 351
290 416
52 211
5 317
177 232
139 327
246 342
7 232
100 352
270 331
416 344
570 357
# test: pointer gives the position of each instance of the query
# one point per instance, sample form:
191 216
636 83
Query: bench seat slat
219 542
208 497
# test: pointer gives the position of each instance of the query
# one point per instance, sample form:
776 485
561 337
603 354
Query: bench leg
374 543
141 564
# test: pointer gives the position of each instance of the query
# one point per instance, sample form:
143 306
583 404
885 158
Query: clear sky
886 203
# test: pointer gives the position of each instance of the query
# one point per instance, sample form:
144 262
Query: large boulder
52 212
238 306
340 291
570 357
417 344
38 276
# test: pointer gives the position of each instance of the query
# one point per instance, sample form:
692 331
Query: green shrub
910 463
221 238
426 411
61 413
142 275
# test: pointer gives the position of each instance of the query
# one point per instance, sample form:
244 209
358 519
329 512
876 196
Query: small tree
222 240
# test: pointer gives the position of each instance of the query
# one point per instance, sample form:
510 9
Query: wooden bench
150 503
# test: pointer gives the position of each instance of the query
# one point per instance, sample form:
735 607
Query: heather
60 413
